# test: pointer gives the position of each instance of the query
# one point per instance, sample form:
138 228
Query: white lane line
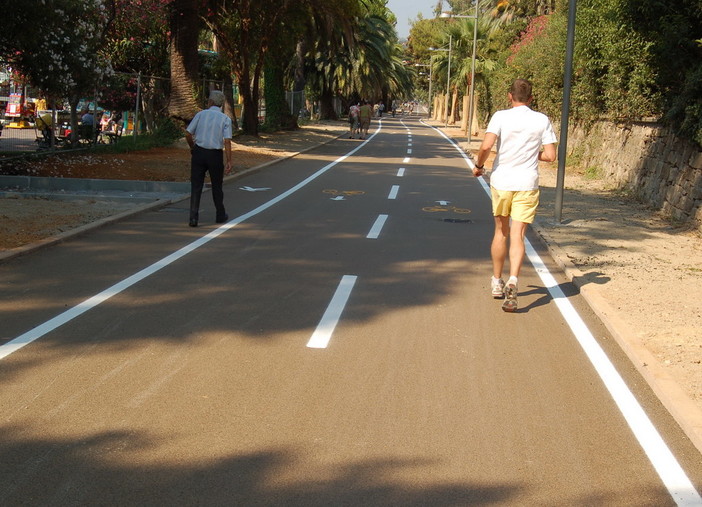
377 227
401 172
650 440
393 192
406 160
409 144
321 336
409 151
90 303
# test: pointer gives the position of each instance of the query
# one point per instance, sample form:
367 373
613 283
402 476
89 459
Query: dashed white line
377 227
90 303
401 172
393 192
406 160
321 336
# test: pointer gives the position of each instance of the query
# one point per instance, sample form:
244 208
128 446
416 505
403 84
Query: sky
405 10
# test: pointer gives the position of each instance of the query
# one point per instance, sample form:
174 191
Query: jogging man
520 134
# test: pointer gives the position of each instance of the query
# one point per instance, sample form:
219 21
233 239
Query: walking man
365 112
208 133
520 134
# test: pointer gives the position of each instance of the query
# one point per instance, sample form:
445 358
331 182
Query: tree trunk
326 106
454 109
300 51
278 115
184 25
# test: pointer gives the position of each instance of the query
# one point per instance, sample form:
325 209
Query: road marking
90 303
377 227
393 192
321 336
669 470
409 151
409 144
401 172
406 160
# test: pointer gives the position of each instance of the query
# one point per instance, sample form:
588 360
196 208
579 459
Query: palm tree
185 28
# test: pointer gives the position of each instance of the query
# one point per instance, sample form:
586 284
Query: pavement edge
681 406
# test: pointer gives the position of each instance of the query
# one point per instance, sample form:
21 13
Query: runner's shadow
569 289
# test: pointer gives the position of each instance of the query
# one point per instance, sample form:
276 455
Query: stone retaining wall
647 160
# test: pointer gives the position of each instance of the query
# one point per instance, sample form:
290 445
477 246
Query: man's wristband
479 166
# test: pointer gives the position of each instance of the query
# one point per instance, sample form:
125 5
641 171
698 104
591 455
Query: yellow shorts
520 205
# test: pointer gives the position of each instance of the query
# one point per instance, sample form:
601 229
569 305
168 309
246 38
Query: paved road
334 344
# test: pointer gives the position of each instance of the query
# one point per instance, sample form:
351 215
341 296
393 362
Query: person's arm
190 139
228 154
484 153
548 154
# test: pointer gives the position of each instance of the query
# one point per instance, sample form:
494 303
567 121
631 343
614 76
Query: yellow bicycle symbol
343 192
435 209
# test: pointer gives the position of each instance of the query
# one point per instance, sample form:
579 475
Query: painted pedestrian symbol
340 195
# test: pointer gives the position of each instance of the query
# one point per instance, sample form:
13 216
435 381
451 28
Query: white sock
496 279
512 280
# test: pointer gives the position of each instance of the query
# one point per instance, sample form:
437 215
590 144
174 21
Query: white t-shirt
520 134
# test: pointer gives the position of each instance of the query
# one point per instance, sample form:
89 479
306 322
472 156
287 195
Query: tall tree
68 64
184 23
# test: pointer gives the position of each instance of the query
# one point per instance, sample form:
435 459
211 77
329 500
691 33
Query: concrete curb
24 250
684 409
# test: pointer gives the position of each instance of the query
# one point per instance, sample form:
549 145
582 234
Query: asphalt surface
334 344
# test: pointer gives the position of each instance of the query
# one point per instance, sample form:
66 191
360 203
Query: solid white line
377 227
90 303
393 192
650 440
401 172
321 336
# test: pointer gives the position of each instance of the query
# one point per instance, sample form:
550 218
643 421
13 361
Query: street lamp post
471 94
448 82
431 69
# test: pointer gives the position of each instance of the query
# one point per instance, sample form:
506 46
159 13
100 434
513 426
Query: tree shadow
98 470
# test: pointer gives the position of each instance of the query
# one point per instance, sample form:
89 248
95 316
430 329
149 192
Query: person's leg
517 231
198 168
216 168
498 249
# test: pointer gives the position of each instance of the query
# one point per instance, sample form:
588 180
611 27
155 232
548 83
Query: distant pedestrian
514 182
208 133
364 114
354 125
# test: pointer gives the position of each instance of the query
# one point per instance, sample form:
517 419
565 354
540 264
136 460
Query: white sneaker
498 288
510 304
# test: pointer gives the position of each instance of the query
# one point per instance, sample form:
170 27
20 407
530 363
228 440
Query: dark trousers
204 161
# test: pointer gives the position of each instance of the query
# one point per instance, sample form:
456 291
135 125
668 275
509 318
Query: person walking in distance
364 114
520 133
208 133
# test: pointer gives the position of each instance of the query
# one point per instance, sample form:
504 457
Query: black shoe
223 219
192 223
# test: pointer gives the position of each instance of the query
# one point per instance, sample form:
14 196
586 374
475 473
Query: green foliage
614 75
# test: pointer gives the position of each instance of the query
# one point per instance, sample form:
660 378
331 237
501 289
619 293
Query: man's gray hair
217 98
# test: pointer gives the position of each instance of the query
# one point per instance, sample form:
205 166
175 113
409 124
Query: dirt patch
26 220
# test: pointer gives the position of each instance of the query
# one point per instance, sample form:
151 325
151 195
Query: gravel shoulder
634 266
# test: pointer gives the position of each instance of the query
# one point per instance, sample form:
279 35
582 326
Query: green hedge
634 59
